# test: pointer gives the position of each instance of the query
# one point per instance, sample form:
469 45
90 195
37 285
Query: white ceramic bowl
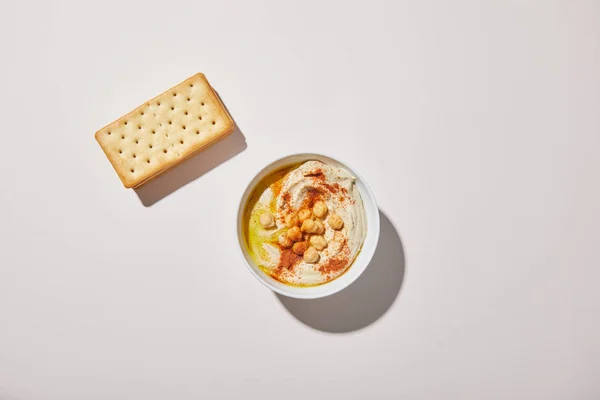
360 263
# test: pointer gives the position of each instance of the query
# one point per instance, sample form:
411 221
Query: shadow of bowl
367 299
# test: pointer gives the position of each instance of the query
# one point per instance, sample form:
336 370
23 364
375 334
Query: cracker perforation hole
197 132
148 160
213 122
170 122
137 141
172 108
120 151
184 127
202 103
139 127
165 151
132 170
185 112
122 136
181 141
134 156
150 145
188 99
200 117
109 132
153 132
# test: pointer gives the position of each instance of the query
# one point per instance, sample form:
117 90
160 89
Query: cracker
164 131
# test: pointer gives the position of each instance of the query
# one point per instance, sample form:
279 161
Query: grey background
476 123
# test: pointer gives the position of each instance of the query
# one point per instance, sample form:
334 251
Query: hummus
290 191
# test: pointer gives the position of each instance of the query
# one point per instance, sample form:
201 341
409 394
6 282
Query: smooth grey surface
477 125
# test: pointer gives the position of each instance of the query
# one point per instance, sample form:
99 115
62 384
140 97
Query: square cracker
164 131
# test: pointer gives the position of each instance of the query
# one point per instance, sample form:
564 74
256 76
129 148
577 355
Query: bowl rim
373 229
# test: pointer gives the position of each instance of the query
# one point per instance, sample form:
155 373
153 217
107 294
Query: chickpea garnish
320 209
295 234
285 242
304 215
308 226
311 255
336 222
318 242
320 227
291 220
299 248
267 220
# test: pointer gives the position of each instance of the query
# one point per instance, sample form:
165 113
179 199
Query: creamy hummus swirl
298 189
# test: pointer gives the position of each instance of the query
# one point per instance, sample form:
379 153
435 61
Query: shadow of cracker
192 168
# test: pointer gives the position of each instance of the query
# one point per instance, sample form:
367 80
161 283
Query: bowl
362 259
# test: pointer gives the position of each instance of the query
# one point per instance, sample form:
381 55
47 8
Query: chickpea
320 227
308 226
320 209
311 255
304 215
267 220
318 242
299 248
295 234
285 242
291 220
336 222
